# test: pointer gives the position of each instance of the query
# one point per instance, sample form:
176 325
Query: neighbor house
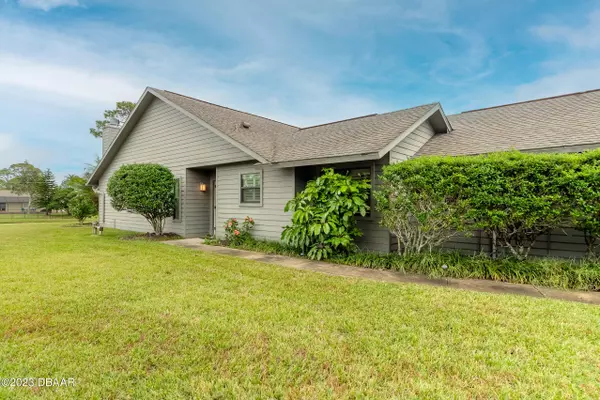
230 163
13 203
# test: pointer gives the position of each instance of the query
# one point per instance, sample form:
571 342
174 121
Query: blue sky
62 62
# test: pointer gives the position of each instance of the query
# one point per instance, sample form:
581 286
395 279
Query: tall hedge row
514 197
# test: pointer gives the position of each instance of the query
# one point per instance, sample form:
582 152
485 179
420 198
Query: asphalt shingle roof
279 142
361 135
567 120
259 137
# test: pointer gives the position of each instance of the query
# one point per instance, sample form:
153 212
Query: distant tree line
71 196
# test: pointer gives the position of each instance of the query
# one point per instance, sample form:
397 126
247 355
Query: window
250 188
177 188
2 206
360 173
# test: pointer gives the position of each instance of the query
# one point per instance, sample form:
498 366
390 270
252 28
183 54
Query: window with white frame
250 187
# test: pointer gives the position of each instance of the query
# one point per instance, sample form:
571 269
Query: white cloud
585 36
47 5
575 79
63 80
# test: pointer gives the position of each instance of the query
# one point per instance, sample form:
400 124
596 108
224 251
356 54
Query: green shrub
81 207
512 196
236 233
584 192
324 220
145 189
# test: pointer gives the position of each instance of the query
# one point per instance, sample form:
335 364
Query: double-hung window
250 188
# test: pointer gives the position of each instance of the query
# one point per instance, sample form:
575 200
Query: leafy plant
236 233
323 221
81 207
145 189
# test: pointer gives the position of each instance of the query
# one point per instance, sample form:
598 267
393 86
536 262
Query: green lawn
135 319
24 218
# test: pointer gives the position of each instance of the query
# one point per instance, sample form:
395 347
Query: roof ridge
228 108
369 115
529 101
341 120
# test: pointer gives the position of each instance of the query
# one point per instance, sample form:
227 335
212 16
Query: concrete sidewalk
393 276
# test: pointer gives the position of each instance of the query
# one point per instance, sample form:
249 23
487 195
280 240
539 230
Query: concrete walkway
393 276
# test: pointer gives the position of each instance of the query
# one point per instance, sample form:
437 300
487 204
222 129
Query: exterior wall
165 136
375 237
562 243
16 207
198 204
408 147
277 189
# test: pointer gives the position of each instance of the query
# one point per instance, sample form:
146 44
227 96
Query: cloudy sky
62 62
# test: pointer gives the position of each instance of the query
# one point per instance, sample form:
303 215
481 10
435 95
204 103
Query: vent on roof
245 125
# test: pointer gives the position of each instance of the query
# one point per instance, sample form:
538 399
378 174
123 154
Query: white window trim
262 188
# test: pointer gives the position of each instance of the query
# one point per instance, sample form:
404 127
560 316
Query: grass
140 319
559 273
29 218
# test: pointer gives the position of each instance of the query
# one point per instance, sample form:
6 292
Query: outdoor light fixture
203 187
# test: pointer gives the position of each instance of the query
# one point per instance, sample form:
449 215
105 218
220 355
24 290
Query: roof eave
327 160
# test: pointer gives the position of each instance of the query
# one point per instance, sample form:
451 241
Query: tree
324 220
44 192
120 113
82 207
145 189
72 186
5 177
21 178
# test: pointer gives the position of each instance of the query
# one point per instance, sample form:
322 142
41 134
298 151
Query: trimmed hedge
513 197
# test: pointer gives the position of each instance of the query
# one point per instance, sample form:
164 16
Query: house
13 203
230 163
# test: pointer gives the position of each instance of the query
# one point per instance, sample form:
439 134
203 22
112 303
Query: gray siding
562 243
409 146
197 203
165 136
375 237
277 189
